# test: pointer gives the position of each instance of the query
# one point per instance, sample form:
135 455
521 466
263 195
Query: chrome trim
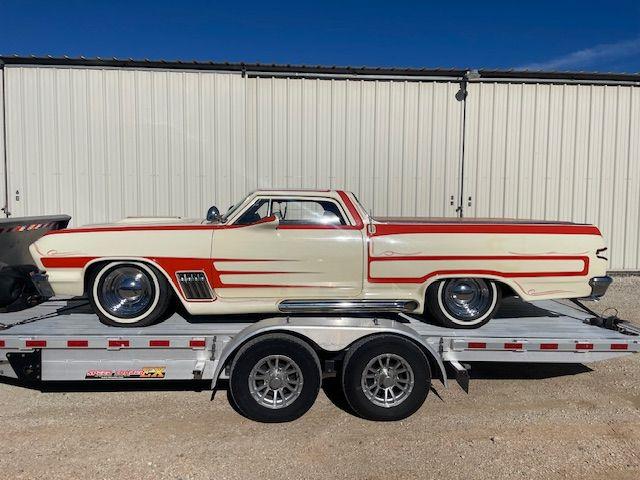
341 306
599 286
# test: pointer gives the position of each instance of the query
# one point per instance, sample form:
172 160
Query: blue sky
556 35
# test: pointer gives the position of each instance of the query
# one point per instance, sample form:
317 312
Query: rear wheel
463 302
385 378
275 378
129 294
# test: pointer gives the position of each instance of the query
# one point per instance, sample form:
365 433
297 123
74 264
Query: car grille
195 286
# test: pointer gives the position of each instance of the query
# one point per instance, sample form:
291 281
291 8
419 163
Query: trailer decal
140 373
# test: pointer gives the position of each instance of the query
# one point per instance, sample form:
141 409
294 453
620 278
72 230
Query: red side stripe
2 343
118 343
513 346
584 346
476 345
619 346
548 346
159 343
35 343
514 228
77 343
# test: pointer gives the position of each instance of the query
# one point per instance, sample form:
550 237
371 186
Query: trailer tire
385 378
154 285
275 378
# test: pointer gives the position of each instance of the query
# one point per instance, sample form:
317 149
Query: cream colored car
319 252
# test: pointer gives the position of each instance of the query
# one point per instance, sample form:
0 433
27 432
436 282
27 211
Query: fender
330 334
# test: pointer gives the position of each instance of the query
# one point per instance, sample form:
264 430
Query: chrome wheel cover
387 380
467 299
275 381
126 292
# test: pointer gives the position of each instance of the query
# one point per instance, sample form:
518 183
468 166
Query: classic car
319 252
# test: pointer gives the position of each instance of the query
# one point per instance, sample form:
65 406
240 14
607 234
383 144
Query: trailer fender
330 334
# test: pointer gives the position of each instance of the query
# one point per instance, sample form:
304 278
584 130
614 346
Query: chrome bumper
599 286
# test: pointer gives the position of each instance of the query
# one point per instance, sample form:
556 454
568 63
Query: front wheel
129 294
463 302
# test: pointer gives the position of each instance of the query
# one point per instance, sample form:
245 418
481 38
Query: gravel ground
519 421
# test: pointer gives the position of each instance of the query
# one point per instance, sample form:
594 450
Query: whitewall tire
463 302
128 294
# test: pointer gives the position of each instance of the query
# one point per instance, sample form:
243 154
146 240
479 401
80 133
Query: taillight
600 253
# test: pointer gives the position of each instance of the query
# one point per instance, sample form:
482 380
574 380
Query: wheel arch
508 286
94 264
319 338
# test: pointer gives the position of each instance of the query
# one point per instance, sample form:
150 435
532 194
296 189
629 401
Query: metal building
104 139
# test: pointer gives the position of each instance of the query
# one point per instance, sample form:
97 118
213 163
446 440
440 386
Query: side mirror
213 214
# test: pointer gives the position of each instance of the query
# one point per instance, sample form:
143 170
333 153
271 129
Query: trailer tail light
197 343
549 346
77 343
478 345
118 343
2 343
159 343
619 346
35 343
513 346
584 346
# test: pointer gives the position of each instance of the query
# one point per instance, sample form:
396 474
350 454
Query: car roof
302 192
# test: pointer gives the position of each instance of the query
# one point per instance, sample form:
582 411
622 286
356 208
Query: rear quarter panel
536 266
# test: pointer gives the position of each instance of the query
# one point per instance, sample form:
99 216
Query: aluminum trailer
274 366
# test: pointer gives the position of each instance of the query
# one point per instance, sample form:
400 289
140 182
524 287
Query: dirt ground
519 421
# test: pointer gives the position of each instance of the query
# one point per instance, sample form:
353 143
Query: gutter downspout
5 208
461 96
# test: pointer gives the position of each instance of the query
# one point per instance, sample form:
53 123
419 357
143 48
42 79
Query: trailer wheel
463 302
275 378
385 378
129 294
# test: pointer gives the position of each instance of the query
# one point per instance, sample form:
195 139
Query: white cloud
589 57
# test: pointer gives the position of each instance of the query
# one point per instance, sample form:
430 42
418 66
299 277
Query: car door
310 251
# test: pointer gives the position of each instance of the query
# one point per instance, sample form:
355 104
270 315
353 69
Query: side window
255 213
307 212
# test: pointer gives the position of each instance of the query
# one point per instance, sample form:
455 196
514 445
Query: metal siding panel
102 143
632 220
409 135
294 134
309 133
366 190
353 128
568 148
3 172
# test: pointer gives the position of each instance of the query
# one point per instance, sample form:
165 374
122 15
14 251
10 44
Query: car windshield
233 208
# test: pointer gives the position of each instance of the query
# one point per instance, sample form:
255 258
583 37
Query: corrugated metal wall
3 177
101 144
557 152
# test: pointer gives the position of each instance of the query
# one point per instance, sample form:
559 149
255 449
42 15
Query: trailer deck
74 345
